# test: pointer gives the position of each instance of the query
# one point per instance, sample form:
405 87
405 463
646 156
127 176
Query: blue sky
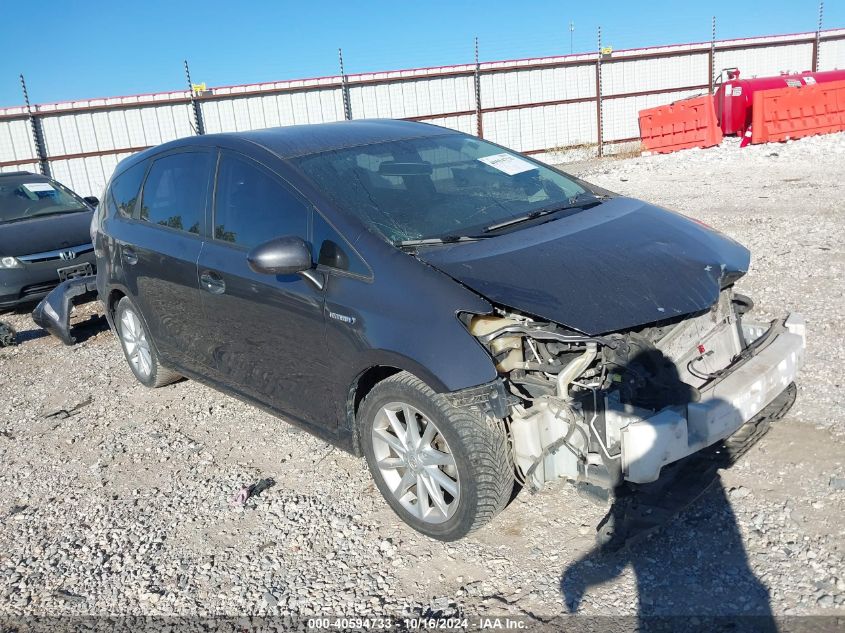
70 50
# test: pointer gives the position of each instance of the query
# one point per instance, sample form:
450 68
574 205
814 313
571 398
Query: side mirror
281 256
92 200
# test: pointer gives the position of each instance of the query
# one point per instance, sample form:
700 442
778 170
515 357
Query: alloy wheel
135 342
416 462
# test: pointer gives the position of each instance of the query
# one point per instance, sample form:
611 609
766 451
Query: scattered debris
8 336
837 483
17 509
68 596
240 498
61 412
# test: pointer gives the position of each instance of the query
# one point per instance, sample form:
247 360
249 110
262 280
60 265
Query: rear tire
450 474
140 353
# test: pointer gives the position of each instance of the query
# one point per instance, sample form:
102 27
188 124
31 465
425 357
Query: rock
270 600
739 493
825 601
837 483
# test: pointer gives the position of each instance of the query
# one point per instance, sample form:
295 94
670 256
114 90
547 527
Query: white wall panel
662 73
33 167
134 124
505 88
465 123
16 141
275 110
86 176
832 54
151 126
542 127
402 99
763 62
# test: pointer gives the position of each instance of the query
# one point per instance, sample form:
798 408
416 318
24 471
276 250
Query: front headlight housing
10 262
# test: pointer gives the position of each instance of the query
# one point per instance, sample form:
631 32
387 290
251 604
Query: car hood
622 264
48 233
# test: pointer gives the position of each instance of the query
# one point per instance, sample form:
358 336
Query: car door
265 333
159 248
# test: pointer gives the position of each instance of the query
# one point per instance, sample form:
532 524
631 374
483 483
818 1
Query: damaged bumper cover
730 400
53 313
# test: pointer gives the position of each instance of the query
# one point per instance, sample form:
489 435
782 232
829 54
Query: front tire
443 469
138 349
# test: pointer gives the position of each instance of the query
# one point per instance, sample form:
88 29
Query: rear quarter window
123 194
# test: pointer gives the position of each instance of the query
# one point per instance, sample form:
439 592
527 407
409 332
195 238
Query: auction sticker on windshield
508 163
38 187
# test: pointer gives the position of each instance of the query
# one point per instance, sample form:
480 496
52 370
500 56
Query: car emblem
342 318
67 255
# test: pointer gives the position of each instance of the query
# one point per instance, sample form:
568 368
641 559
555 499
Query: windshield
28 197
445 187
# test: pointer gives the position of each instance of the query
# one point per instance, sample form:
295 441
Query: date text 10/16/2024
412 624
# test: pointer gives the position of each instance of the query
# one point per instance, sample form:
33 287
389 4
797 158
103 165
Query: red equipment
734 97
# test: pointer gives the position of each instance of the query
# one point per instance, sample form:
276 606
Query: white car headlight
10 262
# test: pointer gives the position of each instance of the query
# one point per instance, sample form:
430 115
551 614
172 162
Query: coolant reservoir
538 430
481 325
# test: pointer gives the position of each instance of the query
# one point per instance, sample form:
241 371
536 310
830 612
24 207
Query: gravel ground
116 498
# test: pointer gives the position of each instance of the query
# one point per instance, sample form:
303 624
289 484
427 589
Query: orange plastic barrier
680 125
785 113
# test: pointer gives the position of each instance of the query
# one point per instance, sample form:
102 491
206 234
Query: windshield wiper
44 215
574 203
446 239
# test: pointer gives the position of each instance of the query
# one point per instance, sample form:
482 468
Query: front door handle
212 282
129 256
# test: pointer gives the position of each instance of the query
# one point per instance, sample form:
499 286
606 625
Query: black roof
18 174
298 140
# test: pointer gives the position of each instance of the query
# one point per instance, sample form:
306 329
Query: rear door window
175 191
252 205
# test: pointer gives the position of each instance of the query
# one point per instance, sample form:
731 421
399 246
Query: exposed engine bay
620 406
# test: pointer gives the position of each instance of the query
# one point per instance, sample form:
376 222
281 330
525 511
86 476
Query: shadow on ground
692 574
81 330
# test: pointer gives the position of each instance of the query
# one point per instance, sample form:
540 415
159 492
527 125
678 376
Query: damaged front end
621 406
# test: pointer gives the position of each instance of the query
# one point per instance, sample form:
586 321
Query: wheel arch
115 295
370 376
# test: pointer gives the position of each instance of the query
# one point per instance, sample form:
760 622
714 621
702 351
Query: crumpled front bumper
731 400
53 313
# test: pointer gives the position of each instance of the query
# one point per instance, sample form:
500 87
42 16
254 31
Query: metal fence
553 107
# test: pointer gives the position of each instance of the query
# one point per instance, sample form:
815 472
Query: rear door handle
129 256
212 282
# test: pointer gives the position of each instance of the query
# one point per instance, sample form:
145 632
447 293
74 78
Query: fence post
199 128
344 89
478 122
599 117
37 133
713 55
817 41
